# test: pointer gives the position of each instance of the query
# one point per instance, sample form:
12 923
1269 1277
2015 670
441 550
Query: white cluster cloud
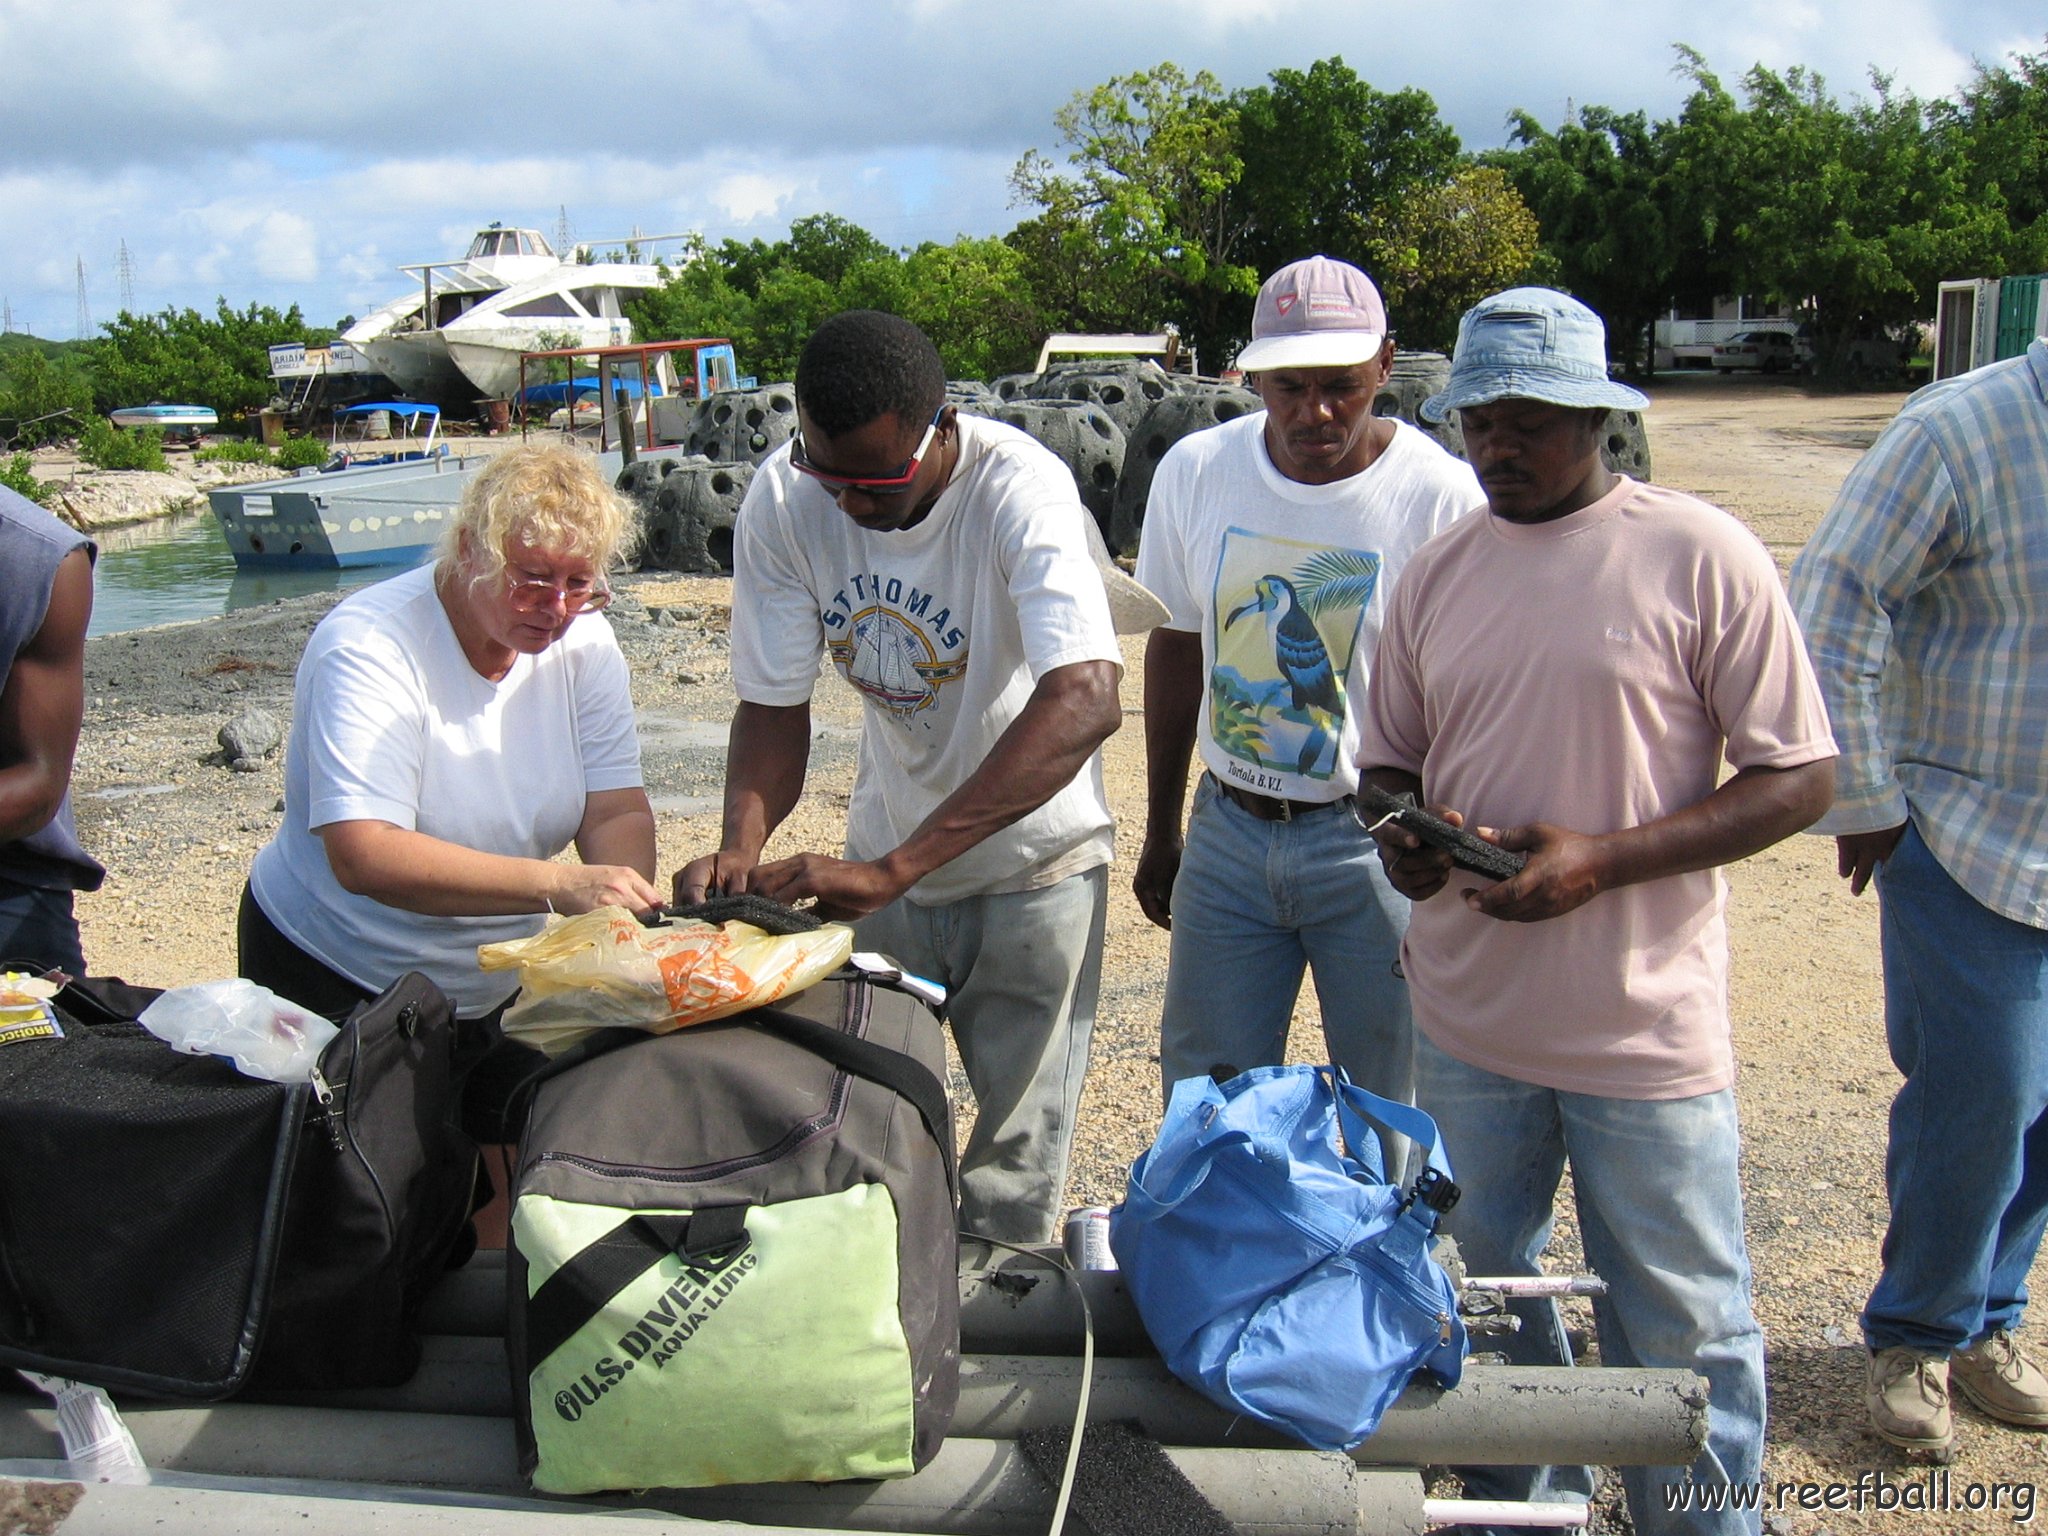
297 154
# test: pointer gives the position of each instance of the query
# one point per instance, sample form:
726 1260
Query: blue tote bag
1274 1266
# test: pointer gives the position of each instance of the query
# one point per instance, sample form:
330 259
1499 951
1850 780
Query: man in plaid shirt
1924 597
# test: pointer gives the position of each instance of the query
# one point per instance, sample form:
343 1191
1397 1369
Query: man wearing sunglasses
942 562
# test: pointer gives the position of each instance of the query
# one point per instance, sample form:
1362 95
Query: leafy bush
221 360
106 446
16 474
301 453
41 399
235 450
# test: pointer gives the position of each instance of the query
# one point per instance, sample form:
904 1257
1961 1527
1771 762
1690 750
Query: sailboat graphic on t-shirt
891 660
884 674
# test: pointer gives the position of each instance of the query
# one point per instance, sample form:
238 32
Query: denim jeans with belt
1659 1198
1966 1167
1254 904
1021 972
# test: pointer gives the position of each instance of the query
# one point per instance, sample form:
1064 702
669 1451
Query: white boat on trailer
459 335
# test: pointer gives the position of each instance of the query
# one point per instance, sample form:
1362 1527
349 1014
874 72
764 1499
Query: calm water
179 568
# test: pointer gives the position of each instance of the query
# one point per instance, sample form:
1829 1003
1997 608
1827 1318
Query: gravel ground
178 829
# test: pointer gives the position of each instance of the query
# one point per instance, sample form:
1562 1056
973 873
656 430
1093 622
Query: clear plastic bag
263 1034
605 969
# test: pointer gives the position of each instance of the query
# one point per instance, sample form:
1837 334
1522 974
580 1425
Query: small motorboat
180 423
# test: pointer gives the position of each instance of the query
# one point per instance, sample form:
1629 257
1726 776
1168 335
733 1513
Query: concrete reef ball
690 527
743 426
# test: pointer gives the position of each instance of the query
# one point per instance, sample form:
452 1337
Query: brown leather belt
1271 808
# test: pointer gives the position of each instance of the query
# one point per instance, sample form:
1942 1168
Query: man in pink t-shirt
1567 674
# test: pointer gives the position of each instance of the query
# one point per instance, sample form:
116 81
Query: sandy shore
177 830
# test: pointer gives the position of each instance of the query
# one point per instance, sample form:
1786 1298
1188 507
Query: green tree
1998 128
1155 166
829 248
788 308
698 298
1326 158
1857 211
41 399
971 299
222 360
1444 246
1599 189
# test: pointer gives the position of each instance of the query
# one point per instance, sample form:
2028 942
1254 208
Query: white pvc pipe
1547 1517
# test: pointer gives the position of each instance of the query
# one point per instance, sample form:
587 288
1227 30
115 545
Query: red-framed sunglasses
890 484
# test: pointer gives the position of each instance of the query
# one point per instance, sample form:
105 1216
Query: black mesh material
764 912
139 1191
169 1226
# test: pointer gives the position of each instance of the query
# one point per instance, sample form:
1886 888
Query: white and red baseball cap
1315 313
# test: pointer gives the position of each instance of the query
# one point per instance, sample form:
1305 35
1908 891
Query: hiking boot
1994 1375
1906 1391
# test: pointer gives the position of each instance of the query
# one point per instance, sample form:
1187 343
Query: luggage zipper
1405 1285
325 1095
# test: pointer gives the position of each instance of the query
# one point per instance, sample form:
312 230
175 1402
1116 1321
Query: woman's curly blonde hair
549 496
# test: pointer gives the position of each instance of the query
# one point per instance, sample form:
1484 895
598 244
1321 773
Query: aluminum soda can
1086 1238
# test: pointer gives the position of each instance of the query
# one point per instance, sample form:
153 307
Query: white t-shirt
945 628
390 722
1288 584
1592 672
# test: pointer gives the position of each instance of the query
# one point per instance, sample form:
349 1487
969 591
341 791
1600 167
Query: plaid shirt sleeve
1894 526
1924 597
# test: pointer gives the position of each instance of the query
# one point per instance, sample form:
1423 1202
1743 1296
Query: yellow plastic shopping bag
605 969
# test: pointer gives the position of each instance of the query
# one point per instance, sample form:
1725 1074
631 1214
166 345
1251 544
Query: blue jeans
37 928
1659 1198
1021 973
1966 1168
1257 901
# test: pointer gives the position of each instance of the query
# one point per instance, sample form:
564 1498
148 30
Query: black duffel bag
169 1226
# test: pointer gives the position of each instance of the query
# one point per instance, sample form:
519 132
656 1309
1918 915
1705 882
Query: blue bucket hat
1531 344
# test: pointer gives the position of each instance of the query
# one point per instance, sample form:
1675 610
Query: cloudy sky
277 151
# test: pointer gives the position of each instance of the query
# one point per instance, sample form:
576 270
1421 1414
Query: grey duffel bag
733 1255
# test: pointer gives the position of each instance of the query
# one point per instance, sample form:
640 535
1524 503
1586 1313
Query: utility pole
563 235
6 317
127 270
84 311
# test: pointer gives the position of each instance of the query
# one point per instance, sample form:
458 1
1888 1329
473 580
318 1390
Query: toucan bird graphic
1304 663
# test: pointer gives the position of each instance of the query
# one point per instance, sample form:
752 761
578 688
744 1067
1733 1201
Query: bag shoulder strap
905 1076
705 1240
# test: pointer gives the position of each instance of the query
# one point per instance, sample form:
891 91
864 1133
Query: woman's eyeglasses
581 594
894 483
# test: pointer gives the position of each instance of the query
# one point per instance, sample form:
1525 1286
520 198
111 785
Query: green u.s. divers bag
733 1255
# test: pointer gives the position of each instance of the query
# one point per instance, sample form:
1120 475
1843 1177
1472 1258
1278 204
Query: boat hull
187 418
386 514
383 514
418 363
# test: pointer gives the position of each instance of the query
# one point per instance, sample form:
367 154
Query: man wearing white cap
1568 673
1273 541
